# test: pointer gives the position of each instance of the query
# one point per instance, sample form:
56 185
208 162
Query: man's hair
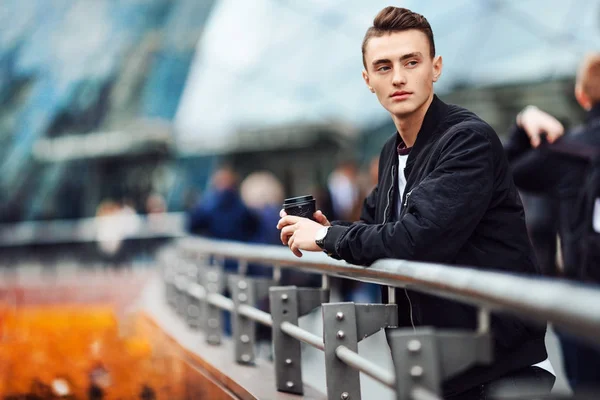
589 77
397 19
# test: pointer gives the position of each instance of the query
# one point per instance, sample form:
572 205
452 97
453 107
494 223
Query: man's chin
402 110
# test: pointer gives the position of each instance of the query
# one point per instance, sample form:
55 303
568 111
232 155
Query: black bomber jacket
460 207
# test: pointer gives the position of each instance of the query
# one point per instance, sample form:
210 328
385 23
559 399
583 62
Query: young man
560 169
445 194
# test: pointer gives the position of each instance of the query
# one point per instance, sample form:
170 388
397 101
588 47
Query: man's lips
400 95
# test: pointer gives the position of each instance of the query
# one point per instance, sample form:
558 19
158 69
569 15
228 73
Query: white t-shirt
401 181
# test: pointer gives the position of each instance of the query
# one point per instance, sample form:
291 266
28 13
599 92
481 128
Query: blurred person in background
115 222
545 162
345 191
445 194
221 212
263 193
156 204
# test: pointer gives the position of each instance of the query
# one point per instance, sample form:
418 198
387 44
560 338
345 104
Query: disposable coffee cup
302 206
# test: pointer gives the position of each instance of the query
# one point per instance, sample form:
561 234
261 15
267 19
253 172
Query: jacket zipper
389 194
406 198
385 218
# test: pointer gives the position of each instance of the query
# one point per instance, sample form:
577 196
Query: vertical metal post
192 310
424 357
288 303
213 283
243 329
169 278
340 329
416 361
181 284
287 350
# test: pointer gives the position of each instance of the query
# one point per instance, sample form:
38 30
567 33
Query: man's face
400 71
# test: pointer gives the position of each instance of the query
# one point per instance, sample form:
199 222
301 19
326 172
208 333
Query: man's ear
365 76
582 98
437 67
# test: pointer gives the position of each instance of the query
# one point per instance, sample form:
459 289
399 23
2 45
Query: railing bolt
213 323
341 334
244 338
242 297
284 297
288 361
339 316
345 396
245 358
242 285
414 346
289 384
416 371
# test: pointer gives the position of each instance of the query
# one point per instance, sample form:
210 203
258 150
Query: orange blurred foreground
81 352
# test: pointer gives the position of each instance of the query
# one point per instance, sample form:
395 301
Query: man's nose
399 78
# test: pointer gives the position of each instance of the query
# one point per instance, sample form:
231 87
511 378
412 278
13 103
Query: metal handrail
346 355
564 303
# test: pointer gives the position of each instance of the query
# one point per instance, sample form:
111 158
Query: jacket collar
433 117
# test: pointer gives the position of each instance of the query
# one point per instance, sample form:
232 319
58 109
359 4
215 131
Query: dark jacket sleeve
543 170
443 209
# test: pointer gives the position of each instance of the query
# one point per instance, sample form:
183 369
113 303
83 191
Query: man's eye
383 68
412 63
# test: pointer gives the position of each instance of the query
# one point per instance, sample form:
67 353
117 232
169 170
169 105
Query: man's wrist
320 236
334 233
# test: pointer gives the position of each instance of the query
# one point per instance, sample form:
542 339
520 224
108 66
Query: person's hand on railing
299 233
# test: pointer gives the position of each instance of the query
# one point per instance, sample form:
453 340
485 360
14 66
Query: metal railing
195 280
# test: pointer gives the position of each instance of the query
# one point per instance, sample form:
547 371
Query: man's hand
299 233
535 122
318 216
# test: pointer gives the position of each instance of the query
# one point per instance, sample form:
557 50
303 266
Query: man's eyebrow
404 57
381 61
411 55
